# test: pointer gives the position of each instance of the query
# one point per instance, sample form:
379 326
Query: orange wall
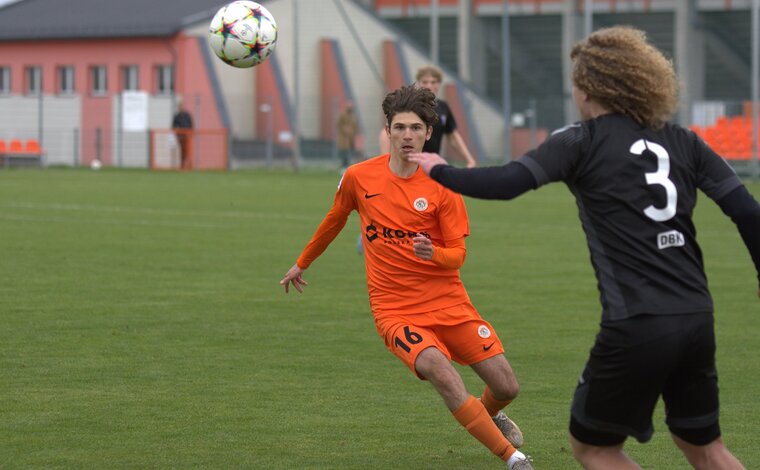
267 84
334 96
405 4
394 71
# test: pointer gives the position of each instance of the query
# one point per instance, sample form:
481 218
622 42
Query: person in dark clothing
182 123
635 179
430 77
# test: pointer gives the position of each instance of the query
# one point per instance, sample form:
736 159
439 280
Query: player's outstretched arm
493 182
745 212
294 276
427 161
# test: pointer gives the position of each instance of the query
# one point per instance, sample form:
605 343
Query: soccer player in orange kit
415 231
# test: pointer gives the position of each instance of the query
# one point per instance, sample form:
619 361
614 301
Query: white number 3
658 177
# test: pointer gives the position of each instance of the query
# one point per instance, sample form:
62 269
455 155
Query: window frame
164 79
5 80
98 80
129 74
66 80
33 80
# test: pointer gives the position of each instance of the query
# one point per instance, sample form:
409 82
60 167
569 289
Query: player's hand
427 160
423 247
293 276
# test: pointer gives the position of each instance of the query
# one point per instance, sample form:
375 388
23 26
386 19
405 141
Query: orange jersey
392 211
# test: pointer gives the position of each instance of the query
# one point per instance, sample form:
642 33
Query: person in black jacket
635 179
182 123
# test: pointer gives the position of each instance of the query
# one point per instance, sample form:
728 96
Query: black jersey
446 124
635 189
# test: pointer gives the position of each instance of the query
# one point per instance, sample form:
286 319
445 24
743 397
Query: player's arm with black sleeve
553 160
745 212
720 183
496 182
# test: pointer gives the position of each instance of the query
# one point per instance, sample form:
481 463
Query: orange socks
492 404
474 417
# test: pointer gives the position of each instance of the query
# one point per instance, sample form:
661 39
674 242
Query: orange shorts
458 332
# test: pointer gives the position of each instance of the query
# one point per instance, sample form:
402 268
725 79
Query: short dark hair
411 98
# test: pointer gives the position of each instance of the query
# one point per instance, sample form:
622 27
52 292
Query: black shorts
636 360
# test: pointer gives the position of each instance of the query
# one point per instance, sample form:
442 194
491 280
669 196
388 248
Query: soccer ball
95 164
242 33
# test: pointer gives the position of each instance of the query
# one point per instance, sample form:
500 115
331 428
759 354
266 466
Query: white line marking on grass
149 210
122 222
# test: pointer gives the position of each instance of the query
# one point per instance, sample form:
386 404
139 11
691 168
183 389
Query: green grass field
143 326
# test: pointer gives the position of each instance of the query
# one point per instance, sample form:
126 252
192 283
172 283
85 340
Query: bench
18 154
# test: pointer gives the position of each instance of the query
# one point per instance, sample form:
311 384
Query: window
5 80
98 80
33 80
66 80
164 80
130 78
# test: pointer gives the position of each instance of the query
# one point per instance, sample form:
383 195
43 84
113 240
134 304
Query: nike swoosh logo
368 196
486 348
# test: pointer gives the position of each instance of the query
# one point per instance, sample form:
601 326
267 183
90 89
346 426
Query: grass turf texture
143 326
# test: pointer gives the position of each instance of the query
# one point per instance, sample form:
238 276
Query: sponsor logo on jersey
484 332
391 236
421 204
670 239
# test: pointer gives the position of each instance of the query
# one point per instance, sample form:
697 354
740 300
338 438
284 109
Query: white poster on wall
134 111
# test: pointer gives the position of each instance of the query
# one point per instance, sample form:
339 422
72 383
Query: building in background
100 78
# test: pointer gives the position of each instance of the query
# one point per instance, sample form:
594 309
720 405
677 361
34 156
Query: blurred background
101 80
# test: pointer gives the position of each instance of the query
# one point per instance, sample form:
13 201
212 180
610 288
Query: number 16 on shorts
410 338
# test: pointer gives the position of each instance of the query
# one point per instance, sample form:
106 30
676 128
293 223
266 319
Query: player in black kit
635 179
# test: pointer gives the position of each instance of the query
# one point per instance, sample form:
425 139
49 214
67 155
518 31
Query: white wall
62 118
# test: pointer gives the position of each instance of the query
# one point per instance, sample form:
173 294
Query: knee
505 389
584 453
711 455
432 364
580 451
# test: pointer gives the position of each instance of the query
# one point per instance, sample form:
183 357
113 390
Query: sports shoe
524 464
509 429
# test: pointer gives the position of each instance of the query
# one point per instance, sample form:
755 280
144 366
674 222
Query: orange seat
15 146
2 146
32 146
736 121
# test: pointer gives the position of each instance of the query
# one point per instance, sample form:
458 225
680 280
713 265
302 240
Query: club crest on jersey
421 204
484 332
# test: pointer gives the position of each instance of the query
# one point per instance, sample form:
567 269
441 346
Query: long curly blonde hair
618 68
